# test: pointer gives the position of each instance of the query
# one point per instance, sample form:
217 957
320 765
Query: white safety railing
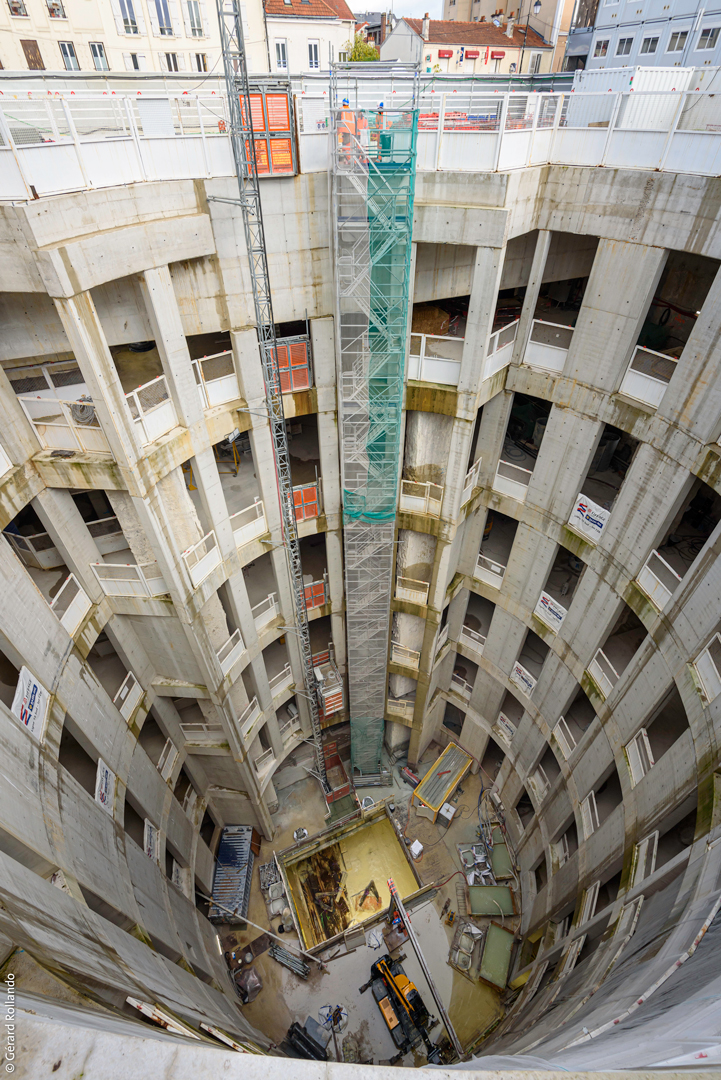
472 639
265 611
248 720
5 463
421 498
411 589
65 425
290 730
249 523
550 611
264 762
152 410
398 707
522 679
564 738
80 139
130 579
548 346
603 673
401 654
471 481
107 534
231 651
647 376
708 668
442 638
36 550
71 604
201 734
168 757
500 349
281 682
461 687
435 358
658 580
489 570
129 696
216 379
512 480
202 558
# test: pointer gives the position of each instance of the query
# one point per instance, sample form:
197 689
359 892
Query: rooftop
449 32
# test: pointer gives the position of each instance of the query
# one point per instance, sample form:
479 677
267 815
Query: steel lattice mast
241 135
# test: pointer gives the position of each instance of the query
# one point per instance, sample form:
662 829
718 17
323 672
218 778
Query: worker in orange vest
346 128
363 134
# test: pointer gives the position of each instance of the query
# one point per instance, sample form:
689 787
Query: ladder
241 136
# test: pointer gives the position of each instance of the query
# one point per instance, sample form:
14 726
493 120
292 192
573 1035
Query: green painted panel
501 862
490 900
496 956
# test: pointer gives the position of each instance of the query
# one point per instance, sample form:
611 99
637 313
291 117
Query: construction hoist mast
241 137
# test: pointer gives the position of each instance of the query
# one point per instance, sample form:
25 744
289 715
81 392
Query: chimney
383 28
509 28
426 29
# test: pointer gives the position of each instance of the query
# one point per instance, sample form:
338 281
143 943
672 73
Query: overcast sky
414 8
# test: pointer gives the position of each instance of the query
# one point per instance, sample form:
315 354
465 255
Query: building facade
552 22
308 35
662 36
446 47
557 585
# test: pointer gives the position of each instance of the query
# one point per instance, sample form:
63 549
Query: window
342 57
624 46
677 41
639 756
17 8
589 815
134 61
195 22
314 55
601 48
165 25
32 55
201 61
708 38
534 63
127 12
56 9
100 60
649 45
281 55
67 51
171 61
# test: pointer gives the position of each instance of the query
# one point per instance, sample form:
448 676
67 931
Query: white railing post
7 135
556 125
672 131
441 122
128 105
536 111
204 144
76 140
611 127
501 129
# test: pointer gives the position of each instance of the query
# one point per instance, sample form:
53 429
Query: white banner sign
150 841
522 679
588 518
550 611
105 787
30 704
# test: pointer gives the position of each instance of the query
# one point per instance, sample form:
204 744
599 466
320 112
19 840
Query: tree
361 50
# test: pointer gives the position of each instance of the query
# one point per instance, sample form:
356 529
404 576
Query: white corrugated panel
639 78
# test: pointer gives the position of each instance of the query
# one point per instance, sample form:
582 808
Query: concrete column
18 438
487 268
535 280
64 524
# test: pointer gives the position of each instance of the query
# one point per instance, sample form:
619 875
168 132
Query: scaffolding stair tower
241 136
373 165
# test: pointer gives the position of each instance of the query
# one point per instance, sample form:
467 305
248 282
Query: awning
445 54
472 54
498 55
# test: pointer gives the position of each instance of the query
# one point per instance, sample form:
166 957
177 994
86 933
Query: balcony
230 652
401 654
264 612
548 346
37 549
281 682
489 570
512 480
417 498
500 349
471 481
71 604
152 410
249 523
603 673
248 721
416 592
461 687
130 579
202 558
290 729
202 734
522 679
399 707
648 375
472 639
66 425
658 580
264 764
435 358
216 379
128 696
